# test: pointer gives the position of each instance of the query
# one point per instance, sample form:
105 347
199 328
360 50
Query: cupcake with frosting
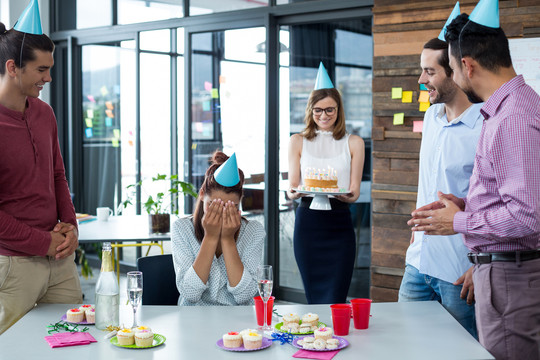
90 315
310 319
86 307
75 315
141 328
232 339
324 333
291 319
252 340
125 337
144 338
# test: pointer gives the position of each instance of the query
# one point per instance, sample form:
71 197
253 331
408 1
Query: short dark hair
488 46
444 61
11 42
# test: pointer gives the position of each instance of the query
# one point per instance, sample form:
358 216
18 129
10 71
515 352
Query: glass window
155 77
89 14
108 128
135 11
201 7
156 40
229 95
180 41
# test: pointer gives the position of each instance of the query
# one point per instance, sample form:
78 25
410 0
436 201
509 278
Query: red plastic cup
361 309
259 304
341 318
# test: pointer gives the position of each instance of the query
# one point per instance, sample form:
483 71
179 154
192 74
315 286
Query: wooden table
416 331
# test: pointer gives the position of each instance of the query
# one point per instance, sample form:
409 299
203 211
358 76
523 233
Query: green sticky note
88 122
396 92
398 118
407 97
104 90
116 133
215 93
115 143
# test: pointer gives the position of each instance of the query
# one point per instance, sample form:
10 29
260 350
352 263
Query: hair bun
219 158
3 29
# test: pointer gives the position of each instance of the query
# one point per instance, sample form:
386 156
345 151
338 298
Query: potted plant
158 206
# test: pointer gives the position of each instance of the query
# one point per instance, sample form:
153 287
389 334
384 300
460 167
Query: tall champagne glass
264 284
134 289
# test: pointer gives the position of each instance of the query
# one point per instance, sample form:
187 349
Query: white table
120 229
416 331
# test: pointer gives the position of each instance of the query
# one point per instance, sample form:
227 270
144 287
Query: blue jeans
420 287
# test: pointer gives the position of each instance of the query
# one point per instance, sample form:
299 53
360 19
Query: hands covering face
221 219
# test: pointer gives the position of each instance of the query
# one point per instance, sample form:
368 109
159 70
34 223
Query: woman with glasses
324 241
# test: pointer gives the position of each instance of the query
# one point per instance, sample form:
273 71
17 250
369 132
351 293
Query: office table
416 331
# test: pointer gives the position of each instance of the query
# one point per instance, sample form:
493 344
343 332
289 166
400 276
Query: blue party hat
486 13
227 174
30 22
452 16
323 80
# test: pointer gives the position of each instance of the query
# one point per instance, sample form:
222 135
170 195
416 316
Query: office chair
159 280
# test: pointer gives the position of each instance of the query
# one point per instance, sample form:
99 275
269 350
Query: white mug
103 213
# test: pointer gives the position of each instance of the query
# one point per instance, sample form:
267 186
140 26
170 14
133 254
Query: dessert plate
342 343
265 343
341 192
158 340
279 325
84 322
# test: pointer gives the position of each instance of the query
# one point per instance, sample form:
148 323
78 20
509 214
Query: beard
473 98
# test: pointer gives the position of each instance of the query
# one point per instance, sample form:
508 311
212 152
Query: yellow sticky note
424 97
406 97
194 146
398 118
396 92
116 133
115 143
423 106
90 113
88 122
215 93
109 105
417 126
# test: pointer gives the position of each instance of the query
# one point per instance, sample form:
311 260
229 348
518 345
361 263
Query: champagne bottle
107 294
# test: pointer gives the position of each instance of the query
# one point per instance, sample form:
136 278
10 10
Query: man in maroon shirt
38 232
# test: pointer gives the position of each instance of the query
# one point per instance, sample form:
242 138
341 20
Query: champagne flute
264 284
134 289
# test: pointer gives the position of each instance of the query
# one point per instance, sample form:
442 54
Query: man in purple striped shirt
500 217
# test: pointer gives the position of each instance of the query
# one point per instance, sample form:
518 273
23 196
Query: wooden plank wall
400 29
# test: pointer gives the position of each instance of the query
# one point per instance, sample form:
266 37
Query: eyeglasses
329 111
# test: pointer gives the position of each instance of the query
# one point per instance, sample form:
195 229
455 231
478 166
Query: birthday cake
320 180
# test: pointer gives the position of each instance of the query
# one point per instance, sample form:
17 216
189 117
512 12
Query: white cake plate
321 199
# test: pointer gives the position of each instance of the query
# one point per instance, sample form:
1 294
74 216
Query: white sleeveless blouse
323 152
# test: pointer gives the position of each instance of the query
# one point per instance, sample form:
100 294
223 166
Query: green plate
158 340
278 328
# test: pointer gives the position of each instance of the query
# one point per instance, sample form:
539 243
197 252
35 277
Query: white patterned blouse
217 290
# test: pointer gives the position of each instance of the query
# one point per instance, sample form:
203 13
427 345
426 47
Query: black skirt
325 250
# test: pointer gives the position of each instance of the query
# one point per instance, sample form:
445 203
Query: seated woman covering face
216 252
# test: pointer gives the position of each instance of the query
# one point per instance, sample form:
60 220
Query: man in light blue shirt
437 266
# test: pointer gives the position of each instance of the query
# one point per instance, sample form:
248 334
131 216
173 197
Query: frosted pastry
252 340
75 315
144 338
319 344
324 333
125 337
232 339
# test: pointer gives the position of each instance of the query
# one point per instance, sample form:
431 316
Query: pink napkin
69 339
323 355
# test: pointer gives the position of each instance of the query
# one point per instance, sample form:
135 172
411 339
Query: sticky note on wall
398 118
424 106
424 96
417 126
396 92
407 97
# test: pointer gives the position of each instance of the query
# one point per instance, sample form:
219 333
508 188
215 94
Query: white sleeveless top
324 151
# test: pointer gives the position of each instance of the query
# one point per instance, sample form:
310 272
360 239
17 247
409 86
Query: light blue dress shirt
446 163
